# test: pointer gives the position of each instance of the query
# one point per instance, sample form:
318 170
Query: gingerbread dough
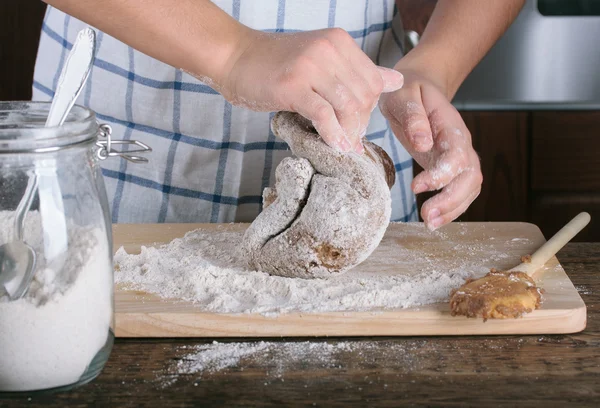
328 210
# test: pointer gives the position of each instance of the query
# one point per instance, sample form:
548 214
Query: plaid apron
210 160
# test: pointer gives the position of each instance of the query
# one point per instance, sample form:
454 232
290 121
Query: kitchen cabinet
538 166
500 139
565 151
565 169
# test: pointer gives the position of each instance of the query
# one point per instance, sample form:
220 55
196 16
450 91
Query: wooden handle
554 244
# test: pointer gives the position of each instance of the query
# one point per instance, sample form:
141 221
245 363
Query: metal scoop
17 259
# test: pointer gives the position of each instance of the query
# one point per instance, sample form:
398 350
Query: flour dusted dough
328 210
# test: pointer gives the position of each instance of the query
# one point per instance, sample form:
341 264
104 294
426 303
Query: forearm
458 35
194 35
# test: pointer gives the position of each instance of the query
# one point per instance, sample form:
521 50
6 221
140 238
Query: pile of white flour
49 337
208 269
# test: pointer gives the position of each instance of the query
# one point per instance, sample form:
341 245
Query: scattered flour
49 337
207 268
583 290
217 356
440 170
277 357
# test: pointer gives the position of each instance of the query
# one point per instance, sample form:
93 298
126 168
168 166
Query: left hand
432 131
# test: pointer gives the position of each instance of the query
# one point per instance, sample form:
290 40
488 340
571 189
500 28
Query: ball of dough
328 210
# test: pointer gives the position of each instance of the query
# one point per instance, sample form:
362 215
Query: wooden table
558 370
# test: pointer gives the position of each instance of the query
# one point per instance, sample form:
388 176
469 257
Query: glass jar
59 333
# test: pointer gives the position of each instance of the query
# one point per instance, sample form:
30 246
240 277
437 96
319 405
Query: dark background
20 25
539 167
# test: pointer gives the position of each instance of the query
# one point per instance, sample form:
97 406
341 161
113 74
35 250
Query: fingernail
392 79
421 138
359 148
344 145
419 188
435 223
433 214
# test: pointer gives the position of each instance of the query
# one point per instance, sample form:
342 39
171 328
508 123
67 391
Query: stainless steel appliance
548 59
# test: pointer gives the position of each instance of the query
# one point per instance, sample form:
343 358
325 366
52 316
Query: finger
448 166
452 195
346 107
345 89
442 208
378 79
454 214
392 79
361 63
365 83
351 67
357 72
353 102
322 115
412 123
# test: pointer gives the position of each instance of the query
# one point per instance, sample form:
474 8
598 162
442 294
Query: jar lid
22 128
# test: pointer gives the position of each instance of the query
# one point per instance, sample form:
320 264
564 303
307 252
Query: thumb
392 79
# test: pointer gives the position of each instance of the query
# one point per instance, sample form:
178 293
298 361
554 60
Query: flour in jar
49 337
208 269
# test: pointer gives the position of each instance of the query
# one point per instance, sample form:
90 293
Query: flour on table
208 269
278 356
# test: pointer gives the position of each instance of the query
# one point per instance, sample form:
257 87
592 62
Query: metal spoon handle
76 70
70 83
24 205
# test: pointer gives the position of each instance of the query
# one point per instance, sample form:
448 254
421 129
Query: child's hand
323 75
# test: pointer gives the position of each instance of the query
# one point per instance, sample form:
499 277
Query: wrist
214 63
236 47
430 64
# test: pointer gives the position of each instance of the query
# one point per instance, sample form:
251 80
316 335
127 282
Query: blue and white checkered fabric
210 160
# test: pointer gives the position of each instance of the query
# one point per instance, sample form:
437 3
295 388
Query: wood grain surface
481 245
486 371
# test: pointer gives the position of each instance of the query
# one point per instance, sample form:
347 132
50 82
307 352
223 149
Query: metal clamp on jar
106 150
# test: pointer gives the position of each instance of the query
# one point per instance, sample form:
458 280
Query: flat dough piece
498 295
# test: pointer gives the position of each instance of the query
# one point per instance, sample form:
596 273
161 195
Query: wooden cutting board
485 245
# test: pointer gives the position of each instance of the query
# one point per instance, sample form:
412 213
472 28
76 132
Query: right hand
323 75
